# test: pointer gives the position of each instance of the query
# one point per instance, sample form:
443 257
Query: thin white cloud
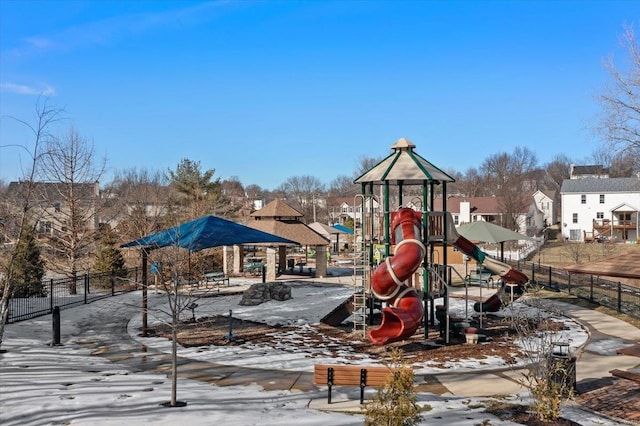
22 89
39 42
110 30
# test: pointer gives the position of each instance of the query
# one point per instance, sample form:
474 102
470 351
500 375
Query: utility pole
314 207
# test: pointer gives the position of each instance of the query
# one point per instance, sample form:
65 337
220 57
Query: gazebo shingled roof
291 230
283 220
276 209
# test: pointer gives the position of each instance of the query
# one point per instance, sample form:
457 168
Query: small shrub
395 403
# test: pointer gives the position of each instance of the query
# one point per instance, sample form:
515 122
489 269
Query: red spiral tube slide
403 317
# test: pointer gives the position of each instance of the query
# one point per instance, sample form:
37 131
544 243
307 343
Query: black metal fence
611 294
67 292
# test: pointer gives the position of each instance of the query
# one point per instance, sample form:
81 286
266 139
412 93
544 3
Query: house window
575 218
601 198
583 199
600 215
456 220
44 227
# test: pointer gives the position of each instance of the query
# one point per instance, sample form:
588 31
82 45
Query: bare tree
343 186
365 164
619 122
70 197
303 192
575 250
254 192
234 194
550 373
178 284
625 164
45 118
558 169
472 184
513 178
138 203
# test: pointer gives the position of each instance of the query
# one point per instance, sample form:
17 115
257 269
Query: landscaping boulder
263 292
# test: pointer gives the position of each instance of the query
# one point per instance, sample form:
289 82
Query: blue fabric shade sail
343 229
207 232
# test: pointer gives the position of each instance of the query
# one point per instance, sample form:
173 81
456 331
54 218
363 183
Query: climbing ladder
362 268
360 313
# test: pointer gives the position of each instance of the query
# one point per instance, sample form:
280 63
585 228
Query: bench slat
350 374
215 277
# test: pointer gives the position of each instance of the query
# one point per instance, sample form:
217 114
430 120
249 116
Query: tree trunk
174 358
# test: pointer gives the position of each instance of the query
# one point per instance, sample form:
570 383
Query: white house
600 208
543 211
344 208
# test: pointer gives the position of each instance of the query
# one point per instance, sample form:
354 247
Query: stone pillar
227 259
271 264
321 261
238 259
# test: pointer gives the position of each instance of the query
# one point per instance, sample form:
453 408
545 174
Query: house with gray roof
600 209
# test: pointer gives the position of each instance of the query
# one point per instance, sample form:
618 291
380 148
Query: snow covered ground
43 384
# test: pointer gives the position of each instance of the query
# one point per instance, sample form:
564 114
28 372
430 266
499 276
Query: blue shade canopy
207 232
343 229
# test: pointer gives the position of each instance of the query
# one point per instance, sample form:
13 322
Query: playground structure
409 280
402 318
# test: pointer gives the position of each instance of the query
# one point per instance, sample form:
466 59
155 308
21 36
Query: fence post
550 283
86 287
569 283
619 296
51 295
112 281
533 272
56 326
591 290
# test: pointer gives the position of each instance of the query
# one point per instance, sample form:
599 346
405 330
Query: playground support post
144 294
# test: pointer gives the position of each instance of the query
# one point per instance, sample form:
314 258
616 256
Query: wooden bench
633 375
350 375
215 277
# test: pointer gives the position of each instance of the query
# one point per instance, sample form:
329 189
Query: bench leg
329 384
363 383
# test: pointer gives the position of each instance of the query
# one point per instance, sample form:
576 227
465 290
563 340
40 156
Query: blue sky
264 91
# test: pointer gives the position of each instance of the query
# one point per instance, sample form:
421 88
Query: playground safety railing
66 292
611 294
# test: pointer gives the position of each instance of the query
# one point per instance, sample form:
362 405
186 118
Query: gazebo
330 232
278 218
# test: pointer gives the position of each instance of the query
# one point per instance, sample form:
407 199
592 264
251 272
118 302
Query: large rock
263 292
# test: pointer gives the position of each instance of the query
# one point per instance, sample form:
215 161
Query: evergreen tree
29 268
396 401
109 258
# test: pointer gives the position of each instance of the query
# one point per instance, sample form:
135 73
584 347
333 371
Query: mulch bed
215 330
